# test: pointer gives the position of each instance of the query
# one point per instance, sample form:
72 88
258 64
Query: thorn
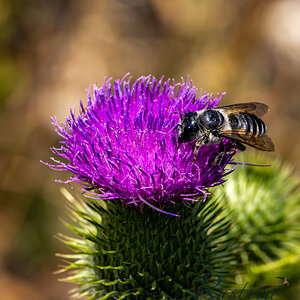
284 281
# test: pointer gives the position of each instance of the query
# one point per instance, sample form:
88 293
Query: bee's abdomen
251 123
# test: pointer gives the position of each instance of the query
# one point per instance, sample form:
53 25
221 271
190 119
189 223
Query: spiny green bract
266 213
131 254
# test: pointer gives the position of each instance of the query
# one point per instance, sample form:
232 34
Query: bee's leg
220 156
196 149
238 145
200 142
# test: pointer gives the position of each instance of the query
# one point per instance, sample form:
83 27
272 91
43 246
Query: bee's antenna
178 112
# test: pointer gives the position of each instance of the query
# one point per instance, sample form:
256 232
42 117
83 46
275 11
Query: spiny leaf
130 254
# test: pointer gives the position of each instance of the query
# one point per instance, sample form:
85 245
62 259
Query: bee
240 123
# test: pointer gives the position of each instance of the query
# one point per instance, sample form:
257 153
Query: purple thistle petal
124 143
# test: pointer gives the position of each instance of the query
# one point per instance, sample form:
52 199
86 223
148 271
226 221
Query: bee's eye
190 121
189 129
212 119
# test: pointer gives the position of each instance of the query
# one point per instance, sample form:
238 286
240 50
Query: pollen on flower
124 146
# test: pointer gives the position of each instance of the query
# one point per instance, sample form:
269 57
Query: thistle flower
123 144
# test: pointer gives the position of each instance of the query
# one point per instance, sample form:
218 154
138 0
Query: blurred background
50 53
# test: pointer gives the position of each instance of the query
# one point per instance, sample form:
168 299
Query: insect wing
256 108
261 142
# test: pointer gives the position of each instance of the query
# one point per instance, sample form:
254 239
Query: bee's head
188 128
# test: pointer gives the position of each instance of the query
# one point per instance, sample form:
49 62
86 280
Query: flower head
124 145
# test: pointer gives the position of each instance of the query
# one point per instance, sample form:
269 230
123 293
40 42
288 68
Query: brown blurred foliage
50 53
